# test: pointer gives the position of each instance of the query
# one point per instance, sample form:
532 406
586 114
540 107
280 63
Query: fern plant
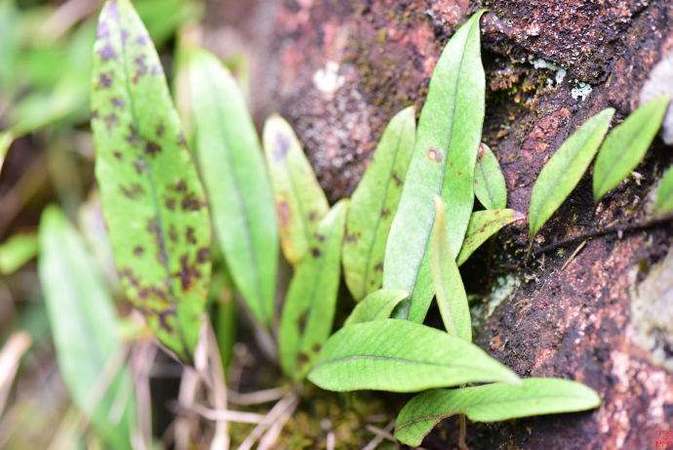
179 204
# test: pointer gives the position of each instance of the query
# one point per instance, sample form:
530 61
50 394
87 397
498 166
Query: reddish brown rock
338 70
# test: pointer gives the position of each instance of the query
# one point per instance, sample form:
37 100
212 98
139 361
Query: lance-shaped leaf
626 145
663 204
300 201
306 321
445 153
402 356
153 201
377 305
565 169
491 403
85 330
374 204
449 289
483 225
232 166
489 182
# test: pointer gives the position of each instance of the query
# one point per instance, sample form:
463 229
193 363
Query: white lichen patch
560 72
327 79
660 82
503 289
652 313
581 91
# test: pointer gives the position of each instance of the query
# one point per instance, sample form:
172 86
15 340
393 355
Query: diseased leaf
153 201
377 305
401 356
85 330
445 153
663 204
491 403
17 251
300 201
626 145
483 225
564 170
489 182
232 166
374 204
449 289
306 320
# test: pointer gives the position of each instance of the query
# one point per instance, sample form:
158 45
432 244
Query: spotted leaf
233 170
300 201
443 162
153 202
306 320
374 204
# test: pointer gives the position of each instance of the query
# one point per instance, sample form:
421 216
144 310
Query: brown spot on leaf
191 203
190 235
316 348
118 155
187 273
141 68
138 250
152 148
180 186
140 166
170 203
104 80
133 191
435 155
379 267
302 359
106 53
110 120
283 213
133 137
351 238
397 180
118 102
313 216
301 322
173 233
160 130
315 252
385 212
203 255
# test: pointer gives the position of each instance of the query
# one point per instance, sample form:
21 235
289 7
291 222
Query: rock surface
339 69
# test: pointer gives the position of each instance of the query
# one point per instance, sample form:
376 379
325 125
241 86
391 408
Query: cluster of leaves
400 239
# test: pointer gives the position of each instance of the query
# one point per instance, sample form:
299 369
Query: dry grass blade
189 385
271 436
289 402
257 397
381 435
15 347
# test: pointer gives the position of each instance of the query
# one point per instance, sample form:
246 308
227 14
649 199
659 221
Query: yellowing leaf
491 403
85 329
374 204
663 204
626 145
483 225
449 289
239 191
564 170
300 201
402 356
306 320
377 305
489 182
443 162
153 201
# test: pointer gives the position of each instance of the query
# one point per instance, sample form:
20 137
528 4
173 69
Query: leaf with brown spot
310 304
443 162
239 191
167 282
300 201
374 204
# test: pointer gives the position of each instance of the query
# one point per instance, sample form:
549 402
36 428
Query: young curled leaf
300 201
374 204
306 320
86 331
377 305
489 182
402 356
626 145
443 162
663 204
153 202
564 170
449 289
491 403
239 191
483 225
